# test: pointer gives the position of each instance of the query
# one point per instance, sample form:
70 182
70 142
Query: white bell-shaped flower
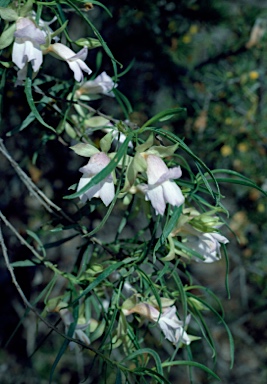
160 189
105 190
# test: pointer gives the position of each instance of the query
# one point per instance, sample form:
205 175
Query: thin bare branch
21 239
32 188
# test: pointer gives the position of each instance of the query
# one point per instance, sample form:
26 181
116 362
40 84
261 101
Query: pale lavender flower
74 60
206 244
105 190
168 321
172 327
101 84
26 47
160 188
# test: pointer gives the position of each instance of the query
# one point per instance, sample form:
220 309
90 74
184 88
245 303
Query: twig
21 239
115 121
91 109
32 188
47 264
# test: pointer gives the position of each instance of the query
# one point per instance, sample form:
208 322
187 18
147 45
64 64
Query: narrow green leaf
84 149
155 376
168 113
209 293
7 36
227 271
230 337
103 6
127 69
26 8
99 279
169 225
23 263
4 3
59 242
145 351
123 100
8 14
118 377
59 30
66 342
28 92
150 283
182 293
109 329
205 329
193 364
205 181
187 251
246 183
37 239
2 87
60 354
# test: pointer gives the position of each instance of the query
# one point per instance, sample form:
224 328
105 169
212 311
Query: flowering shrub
160 202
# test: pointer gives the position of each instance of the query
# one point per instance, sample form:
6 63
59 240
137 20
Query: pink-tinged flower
74 60
206 244
105 190
160 188
101 84
168 321
26 48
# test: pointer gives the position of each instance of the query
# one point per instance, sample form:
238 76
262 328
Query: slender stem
21 239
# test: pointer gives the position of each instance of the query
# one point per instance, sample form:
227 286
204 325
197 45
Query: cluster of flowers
31 40
199 232
167 320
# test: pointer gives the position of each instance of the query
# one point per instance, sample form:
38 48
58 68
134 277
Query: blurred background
210 57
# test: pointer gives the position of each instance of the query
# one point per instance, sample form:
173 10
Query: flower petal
155 168
220 238
18 56
27 30
74 60
77 67
155 195
107 192
172 193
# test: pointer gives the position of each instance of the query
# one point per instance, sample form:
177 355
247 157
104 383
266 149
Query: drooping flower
206 244
160 188
26 47
102 84
74 60
45 26
105 190
168 321
200 234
